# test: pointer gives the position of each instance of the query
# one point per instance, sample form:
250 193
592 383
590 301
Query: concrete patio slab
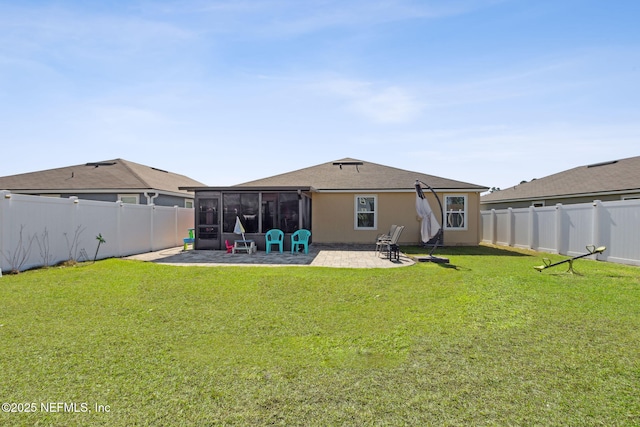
318 256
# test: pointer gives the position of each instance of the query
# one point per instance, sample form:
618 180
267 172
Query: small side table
394 253
248 246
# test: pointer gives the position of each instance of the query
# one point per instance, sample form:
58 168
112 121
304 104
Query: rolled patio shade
238 229
429 225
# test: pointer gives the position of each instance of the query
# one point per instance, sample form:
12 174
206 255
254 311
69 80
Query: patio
340 256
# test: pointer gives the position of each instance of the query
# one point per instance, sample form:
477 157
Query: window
243 205
269 215
134 199
289 211
188 203
538 204
280 210
455 212
366 217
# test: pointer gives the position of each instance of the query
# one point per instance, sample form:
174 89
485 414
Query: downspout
151 198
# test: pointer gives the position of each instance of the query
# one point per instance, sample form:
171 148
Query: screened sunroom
259 210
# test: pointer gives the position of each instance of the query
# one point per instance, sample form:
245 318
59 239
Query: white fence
37 231
568 229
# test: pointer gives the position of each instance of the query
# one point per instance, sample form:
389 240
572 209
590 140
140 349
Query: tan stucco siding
329 217
333 219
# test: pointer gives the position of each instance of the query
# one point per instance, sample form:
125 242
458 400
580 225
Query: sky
489 92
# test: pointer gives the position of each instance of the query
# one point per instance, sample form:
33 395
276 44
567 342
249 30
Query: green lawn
485 341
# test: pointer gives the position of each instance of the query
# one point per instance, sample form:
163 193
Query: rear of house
346 201
338 216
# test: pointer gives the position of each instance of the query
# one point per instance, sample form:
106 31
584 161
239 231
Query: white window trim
375 211
538 204
465 213
187 201
137 197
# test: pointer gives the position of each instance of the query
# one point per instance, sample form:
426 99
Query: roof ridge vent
595 165
96 164
348 163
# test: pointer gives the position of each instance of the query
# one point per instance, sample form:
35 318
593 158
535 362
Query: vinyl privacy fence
42 231
568 229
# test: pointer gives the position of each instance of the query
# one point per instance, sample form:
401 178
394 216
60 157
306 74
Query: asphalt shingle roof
358 175
611 176
104 175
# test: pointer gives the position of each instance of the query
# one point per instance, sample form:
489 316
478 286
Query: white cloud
381 104
67 34
281 18
388 105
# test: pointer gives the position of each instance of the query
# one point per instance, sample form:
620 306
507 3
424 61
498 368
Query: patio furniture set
389 242
299 240
385 243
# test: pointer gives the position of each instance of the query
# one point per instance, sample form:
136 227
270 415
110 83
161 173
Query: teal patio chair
300 238
274 237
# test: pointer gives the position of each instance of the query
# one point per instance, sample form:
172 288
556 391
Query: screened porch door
208 234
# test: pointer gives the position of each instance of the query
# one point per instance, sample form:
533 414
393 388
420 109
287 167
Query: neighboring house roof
617 176
116 175
352 174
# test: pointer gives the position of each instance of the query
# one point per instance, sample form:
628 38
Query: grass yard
487 341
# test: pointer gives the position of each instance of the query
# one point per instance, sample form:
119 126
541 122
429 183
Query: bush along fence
569 229
43 231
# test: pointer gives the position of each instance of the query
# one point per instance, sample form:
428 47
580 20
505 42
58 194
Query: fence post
152 212
75 205
510 237
595 230
5 212
492 226
532 213
176 237
119 211
559 228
